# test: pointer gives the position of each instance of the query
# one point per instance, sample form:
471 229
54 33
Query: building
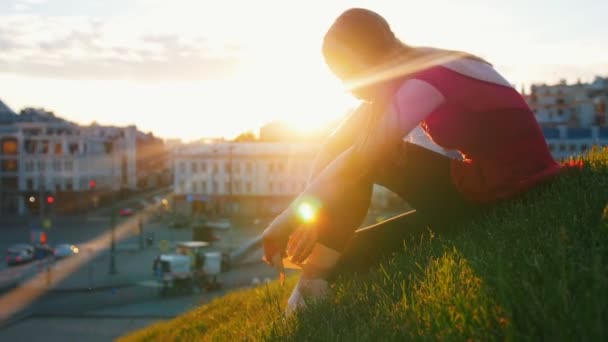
152 162
240 178
573 117
51 165
574 105
566 141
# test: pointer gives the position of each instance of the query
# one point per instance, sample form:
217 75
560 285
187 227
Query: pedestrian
442 129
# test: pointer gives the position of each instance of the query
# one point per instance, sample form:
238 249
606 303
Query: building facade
574 105
240 178
51 165
564 141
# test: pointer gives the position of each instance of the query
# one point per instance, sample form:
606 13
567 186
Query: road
69 302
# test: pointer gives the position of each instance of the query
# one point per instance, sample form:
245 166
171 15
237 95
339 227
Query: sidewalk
236 279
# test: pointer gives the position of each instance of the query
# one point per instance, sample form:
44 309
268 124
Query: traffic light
50 199
92 184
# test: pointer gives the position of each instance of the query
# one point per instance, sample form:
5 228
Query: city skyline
194 69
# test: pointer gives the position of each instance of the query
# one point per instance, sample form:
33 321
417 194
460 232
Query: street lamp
230 199
110 147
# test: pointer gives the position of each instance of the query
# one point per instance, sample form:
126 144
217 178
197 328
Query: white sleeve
414 101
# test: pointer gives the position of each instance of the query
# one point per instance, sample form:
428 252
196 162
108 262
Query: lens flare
307 212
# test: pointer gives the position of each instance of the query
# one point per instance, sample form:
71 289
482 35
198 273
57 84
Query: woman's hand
275 238
301 243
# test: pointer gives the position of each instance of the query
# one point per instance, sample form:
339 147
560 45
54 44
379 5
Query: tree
246 137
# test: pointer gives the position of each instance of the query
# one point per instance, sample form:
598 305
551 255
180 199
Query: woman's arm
413 102
342 138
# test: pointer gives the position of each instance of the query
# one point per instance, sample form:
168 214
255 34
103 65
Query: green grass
533 269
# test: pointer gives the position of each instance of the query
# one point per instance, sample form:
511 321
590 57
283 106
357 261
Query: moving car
65 250
19 254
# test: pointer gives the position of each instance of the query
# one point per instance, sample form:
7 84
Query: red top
493 127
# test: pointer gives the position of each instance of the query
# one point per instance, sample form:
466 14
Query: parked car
19 254
125 212
65 250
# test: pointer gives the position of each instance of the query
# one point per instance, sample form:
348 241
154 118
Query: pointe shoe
306 291
313 284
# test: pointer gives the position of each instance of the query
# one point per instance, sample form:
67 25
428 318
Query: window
271 187
204 167
280 167
562 147
584 147
29 166
29 184
551 147
68 185
182 187
58 148
194 167
9 165
227 167
237 187
215 167
69 165
280 187
29 146
227 188
271 167
248 187
215 188
248 167
57 184
41 165
73 148
203 187
45 147
237 167
9 146
572 147
194 187
56 165
182 167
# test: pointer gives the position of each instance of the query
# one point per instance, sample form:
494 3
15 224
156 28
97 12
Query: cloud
21 7
83 48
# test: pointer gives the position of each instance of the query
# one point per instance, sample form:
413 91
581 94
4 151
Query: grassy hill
536 268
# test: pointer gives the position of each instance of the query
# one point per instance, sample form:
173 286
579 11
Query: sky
200 68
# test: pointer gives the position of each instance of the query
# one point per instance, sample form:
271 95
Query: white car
65 250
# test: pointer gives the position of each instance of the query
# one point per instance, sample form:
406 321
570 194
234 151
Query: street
78 289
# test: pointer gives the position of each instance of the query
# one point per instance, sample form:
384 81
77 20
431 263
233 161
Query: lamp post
230 170
112 217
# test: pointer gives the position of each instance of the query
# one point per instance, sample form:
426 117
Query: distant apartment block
57 166
573 105
566 141
240 178
574 117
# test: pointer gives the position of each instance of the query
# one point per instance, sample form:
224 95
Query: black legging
419 176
